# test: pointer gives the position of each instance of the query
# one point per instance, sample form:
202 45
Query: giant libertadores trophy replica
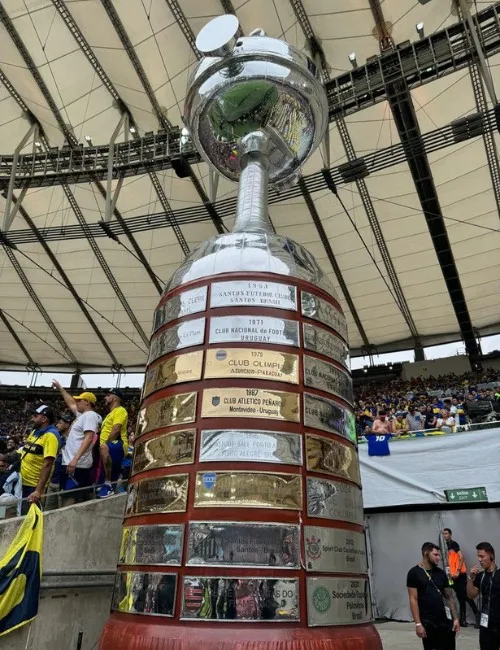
244 518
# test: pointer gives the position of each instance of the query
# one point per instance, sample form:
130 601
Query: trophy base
127 633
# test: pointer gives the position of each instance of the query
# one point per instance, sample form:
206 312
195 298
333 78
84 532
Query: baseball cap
47 411
67 417
90 397
115 391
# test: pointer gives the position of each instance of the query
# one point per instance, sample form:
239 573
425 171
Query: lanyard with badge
485 615
446 608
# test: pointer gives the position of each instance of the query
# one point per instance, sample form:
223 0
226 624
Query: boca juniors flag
20 574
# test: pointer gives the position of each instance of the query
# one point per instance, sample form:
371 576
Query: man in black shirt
485 583
433 602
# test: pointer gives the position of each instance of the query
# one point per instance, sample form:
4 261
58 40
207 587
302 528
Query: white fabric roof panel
86 106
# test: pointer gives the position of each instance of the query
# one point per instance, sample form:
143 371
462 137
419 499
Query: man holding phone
484 581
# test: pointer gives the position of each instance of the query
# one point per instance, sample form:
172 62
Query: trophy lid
260 83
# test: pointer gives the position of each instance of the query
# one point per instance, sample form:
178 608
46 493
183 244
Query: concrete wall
458 364
76 538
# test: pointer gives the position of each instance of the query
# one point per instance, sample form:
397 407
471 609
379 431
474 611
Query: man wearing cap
37 455
77 454
113 440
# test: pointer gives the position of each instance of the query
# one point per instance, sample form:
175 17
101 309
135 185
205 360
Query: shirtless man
382 424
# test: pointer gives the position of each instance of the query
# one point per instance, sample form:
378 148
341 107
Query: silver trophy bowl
255 83
255 111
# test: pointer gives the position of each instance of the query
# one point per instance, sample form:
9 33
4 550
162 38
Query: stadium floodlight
88 139
352 59
420 29
38 144
132 129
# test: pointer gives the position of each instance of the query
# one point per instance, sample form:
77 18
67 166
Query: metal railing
60 499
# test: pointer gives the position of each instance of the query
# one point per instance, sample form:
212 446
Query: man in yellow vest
458 573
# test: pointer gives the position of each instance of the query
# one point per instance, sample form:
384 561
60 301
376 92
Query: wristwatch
418 625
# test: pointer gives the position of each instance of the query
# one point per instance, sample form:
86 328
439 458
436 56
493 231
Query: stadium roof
411 241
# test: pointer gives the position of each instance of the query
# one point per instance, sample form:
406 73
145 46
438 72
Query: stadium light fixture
132 129
38 144
420 29
352 59
88 139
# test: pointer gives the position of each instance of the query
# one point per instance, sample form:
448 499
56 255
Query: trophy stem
251 210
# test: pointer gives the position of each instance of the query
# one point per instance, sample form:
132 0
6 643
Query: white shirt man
77 454
84 422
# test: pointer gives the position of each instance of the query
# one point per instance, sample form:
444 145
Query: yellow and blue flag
20 574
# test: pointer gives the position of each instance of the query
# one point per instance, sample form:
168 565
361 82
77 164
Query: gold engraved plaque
254 329
330 456
164 494
334 500
137 592
325 376
165 450
252 600
249 490
338 601
244 292
320 310
322 413
250 403
243 445
334 550
220 543
258 364
157 544
176 370
167 412
323 342
182 335
183 304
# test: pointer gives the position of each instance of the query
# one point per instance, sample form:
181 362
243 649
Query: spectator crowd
422 403
54 452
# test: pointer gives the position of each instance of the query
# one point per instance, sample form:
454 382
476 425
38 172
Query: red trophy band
244 521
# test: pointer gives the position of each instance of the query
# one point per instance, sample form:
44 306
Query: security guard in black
429 589
486 584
